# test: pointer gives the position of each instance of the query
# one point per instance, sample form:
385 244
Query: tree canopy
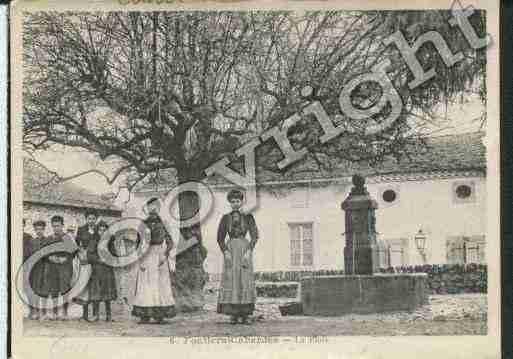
177 91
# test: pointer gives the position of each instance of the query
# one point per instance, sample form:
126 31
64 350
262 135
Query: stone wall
450 278
442 279
292 276
277 289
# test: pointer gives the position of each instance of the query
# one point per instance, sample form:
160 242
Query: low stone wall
293 276
450 278
277 289
442 279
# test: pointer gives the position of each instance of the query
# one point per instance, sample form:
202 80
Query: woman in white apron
153 295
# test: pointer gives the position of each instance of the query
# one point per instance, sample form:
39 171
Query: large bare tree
176 91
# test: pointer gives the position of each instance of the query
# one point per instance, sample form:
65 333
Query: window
389 195
462 250
301 244
463 191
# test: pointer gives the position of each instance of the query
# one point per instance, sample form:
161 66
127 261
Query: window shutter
301 244
480 242
455 250
295 244
307 244
405 246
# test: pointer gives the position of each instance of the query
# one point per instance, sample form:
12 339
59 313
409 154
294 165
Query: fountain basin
363 294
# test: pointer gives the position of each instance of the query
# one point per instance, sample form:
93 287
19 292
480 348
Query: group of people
52 276
153 299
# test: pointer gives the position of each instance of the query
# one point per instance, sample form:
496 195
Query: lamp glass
420 240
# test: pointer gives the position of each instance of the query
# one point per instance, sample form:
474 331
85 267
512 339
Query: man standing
86 234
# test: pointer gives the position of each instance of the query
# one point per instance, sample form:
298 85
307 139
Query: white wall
428 205
431 206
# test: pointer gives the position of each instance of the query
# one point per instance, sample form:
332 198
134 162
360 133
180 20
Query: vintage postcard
254 179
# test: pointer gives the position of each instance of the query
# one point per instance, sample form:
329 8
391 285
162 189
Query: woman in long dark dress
58 269
102 284
237 293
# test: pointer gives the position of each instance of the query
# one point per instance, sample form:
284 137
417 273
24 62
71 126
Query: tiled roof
451 153
41 186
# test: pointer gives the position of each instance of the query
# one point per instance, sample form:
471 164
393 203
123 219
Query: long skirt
153 297
102 284
37 278
83 297
58 278
237 294
125 275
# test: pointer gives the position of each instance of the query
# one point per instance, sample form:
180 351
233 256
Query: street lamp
420 242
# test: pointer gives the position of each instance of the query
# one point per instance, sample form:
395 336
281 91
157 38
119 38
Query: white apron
153 285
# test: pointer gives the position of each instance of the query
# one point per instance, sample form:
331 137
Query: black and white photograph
197 175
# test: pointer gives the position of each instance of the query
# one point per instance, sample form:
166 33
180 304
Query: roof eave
391 176
73 205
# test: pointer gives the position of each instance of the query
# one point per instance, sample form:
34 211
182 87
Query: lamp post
420 242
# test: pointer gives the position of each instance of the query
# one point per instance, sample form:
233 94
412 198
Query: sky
460 119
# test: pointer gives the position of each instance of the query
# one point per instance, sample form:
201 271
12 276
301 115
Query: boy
37 275
86 234
60 268
27 242
27 252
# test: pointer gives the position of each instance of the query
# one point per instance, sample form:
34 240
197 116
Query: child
37 274
59 268
85 234
27 252
102 284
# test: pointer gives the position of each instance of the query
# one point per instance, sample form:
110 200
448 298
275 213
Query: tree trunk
190 277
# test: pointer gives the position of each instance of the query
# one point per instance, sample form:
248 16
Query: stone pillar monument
361 289
360 252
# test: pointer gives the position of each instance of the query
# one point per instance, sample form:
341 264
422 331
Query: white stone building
441 192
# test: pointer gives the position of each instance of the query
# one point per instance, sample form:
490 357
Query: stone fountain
362 290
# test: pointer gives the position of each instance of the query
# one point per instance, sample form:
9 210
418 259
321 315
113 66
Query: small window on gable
389 195
463 192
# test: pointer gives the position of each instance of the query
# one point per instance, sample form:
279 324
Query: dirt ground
444 315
